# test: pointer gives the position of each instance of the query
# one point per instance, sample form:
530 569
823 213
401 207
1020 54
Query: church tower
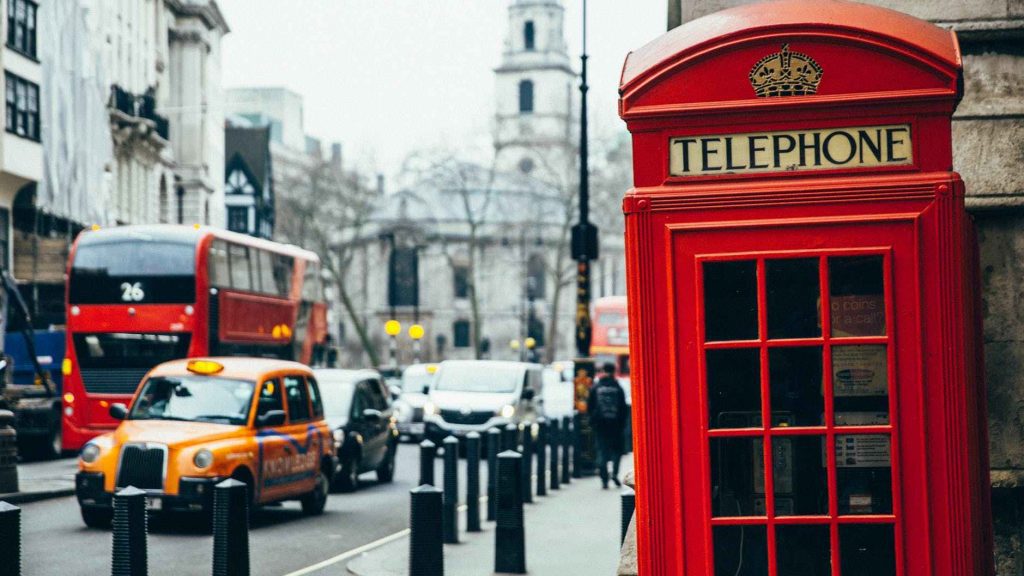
535 88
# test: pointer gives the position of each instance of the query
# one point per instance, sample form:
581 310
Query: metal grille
142 467
112 380
473 418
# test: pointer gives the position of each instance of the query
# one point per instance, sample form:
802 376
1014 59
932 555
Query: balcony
134 117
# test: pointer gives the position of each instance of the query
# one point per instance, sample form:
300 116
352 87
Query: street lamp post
416 333
393 328
584 251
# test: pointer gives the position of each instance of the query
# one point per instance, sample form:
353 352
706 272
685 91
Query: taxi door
304 441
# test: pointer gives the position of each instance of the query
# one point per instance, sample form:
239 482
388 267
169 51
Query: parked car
474 395
415 386
193 423
358 407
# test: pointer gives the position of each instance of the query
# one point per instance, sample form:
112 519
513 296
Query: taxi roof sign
204 366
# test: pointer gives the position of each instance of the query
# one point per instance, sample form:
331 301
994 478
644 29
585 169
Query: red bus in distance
610 336
141 295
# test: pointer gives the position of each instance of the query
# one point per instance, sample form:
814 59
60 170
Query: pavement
43 480
571 531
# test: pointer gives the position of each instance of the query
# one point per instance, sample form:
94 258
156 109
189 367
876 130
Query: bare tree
470 188
324 209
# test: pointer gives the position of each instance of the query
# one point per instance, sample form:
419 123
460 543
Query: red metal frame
881 67
246 318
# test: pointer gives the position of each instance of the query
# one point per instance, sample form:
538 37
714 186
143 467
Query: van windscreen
478 378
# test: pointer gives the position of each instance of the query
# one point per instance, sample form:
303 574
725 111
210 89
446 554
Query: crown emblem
785 73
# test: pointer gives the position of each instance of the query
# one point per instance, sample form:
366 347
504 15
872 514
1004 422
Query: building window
21 26
525 97
238 183
460 333
238 219
528 35
22 107
5 238
461 278
404 284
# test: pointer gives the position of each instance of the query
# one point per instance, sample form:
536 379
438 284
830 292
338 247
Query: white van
468 395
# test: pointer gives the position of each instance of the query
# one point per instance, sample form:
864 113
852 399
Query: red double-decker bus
140 295
610 336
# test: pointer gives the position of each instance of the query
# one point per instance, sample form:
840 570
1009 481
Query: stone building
988 149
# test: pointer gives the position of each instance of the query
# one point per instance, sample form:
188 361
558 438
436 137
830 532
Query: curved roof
839 14
234 367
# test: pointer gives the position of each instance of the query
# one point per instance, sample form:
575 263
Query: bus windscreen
133 271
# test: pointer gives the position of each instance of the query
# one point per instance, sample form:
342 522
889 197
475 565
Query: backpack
607 405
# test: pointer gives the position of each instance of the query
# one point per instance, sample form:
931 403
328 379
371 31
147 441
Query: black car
357 405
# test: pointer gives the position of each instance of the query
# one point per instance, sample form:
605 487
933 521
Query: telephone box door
800 349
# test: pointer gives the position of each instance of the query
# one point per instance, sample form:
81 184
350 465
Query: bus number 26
132 292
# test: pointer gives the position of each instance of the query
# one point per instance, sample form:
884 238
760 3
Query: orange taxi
193 423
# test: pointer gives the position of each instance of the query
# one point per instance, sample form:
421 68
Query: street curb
25 497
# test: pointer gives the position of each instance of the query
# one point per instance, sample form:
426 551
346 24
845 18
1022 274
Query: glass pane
801 479
794 294
863 474
740 550
860 384
856 294
734 388
867 550
737 477
730 300
803 550
795 384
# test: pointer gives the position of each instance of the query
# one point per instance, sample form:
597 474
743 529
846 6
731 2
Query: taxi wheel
97 517
314 502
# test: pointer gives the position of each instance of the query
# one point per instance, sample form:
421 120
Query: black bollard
10 540
493 448
566 447
509 532
473 482
231 528
129 548
450 512
426 550
540 448
554 438
428 452
628 506
527 465
510 437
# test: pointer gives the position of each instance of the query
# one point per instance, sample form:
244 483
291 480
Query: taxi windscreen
194 399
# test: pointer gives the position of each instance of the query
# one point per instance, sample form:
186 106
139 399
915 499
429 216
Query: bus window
283 267
267 283
135 270
239 255
220 273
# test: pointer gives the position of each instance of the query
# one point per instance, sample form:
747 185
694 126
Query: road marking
364 548
351 553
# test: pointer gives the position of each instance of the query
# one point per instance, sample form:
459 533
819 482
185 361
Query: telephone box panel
802 308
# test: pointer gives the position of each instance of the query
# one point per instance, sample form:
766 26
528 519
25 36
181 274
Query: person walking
606 406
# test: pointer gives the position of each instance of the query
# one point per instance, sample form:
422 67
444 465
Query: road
282 540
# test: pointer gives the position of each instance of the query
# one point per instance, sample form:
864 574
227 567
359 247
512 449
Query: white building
21 155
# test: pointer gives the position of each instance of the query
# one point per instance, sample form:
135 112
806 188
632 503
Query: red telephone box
807 388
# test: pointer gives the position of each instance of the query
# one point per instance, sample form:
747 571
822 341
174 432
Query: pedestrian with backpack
606 407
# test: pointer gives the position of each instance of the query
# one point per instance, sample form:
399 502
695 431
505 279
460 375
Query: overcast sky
386 77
